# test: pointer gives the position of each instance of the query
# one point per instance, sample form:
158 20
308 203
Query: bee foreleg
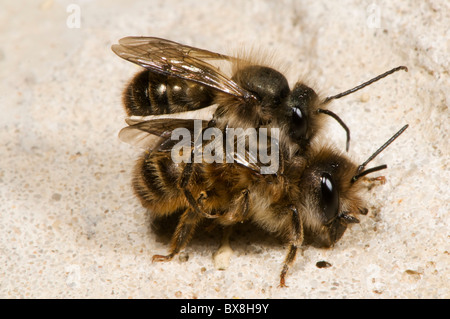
183 233
195 204
294 243
374 181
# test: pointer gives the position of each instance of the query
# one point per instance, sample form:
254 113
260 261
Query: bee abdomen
136 96
155 184
152 94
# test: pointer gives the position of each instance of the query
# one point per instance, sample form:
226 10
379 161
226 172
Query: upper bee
179 78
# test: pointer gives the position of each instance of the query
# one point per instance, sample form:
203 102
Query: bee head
304 109
298 108
302 105
329 197
331 186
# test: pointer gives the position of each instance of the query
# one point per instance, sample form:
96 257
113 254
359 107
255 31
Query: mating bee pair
311 196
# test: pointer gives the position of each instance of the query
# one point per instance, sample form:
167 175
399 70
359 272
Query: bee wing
205 114
175 59
248 160
250 152
157 133
258 152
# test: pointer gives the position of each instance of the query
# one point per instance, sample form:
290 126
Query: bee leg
245 204
200 201
160 258
379 179
183 233
195 204
239 208
374 181
295 243
363 210
185 177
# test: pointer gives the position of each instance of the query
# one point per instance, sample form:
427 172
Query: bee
312 195
181 81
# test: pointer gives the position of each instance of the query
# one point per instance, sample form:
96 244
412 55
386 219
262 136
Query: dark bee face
329 197
301 104
328 211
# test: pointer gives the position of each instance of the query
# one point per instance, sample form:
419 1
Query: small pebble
183 257
323 264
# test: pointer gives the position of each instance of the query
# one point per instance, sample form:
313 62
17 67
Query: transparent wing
205 114
175 59
157 133
258 151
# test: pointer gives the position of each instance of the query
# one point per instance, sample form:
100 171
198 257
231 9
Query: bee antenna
368 171
359 87
360 172
338 119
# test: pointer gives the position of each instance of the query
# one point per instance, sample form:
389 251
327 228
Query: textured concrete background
69 223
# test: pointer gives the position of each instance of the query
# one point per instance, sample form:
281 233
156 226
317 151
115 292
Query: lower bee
312 198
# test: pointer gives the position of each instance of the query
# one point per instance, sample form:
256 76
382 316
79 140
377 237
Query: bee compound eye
298 124
330 197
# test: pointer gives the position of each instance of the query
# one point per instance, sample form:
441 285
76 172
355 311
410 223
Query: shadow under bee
208 234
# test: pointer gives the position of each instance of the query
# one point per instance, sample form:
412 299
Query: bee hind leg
183 233
159 258
295 242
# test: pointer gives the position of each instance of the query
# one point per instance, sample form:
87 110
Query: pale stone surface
69 223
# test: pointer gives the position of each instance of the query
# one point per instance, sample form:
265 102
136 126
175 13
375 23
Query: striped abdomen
151 93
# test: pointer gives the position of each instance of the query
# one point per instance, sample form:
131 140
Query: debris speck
183 257
323 264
